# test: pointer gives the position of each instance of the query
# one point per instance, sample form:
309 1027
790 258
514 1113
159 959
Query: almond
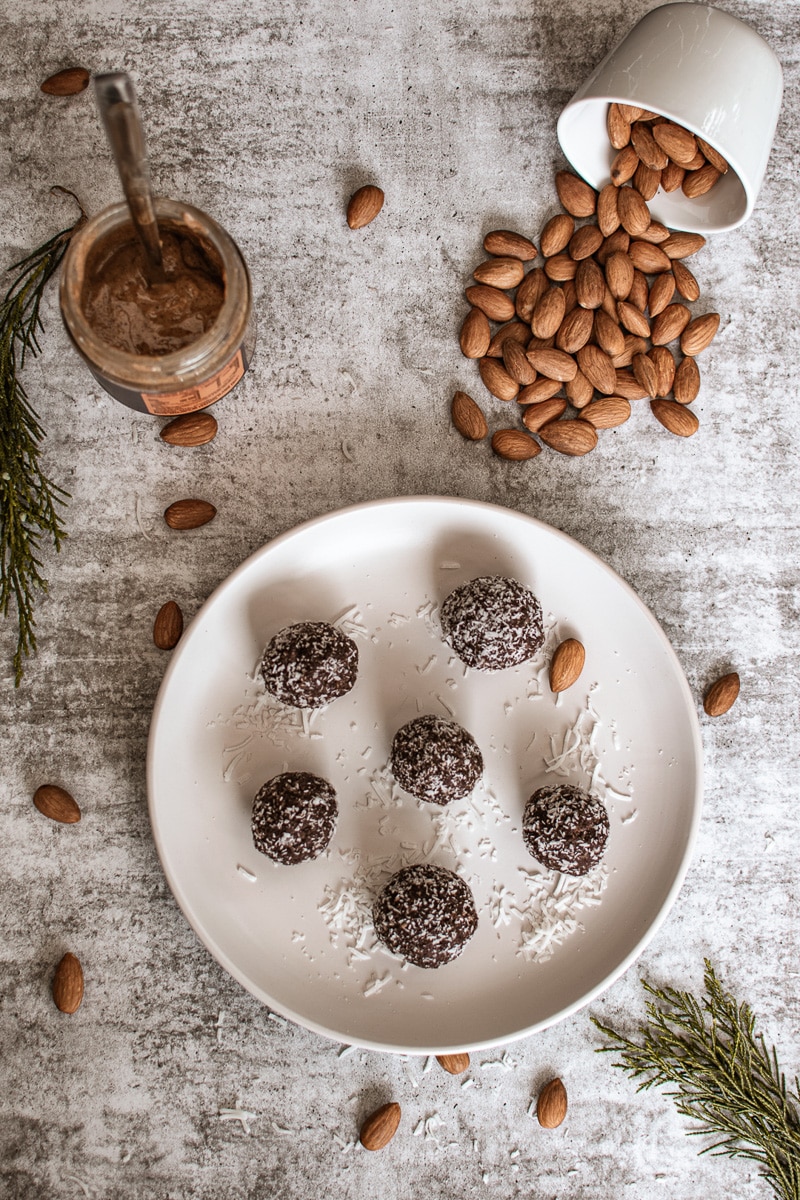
722 695
648 258
549 313
608 334
672 177
515 445
607 412
190 429
655 233
468 418
560 268
616 243
168 626
553 364
68 82
584 242
638 295
497 379
634 214
646 181
697 183
380 1127
664 364
633 345
475 334
490 300
598 368
542 389
624 166
619 274
577 197
537 415
364 206
579 390
507 244
713 156
631 112
590 284
68 984
189 514
575 437
607 210
685 281
661 292
686 384
556 234
681 245
551 1107
695 163
675 141
627 385
669 324
56 803
517 364
645 373
633 319
517 331
699 333
566 663
533 286
575 330
499 272
454 1064
646 146
675 417
619 128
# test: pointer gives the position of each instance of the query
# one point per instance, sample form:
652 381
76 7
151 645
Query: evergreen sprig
721 1074
29 501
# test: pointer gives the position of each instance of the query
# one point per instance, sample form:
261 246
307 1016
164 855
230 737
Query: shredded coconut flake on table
238 1114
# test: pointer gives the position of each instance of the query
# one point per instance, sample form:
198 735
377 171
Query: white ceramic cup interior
705 70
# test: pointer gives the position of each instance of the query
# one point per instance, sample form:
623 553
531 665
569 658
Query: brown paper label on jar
171 404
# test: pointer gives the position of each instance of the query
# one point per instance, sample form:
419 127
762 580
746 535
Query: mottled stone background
268 115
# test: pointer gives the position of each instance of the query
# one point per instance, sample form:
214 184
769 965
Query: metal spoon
116 100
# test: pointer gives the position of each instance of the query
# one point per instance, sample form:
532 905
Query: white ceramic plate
299 937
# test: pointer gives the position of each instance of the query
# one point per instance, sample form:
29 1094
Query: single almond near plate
168 626
56 803
566 663
68 984
577 197
68 82
189 514
380 1127
364 206
556 234
574 438
514 445
551 1106
722 695
468 418
190 429
699 334
454 1064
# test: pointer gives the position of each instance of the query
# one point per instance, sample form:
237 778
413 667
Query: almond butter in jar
163 346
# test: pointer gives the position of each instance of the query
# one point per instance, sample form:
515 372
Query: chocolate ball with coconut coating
310 664
565 828
294 816
493 622
436 760
425 914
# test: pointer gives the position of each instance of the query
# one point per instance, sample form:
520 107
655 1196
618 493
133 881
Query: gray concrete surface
268 115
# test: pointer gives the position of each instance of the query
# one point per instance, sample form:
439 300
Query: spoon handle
116 100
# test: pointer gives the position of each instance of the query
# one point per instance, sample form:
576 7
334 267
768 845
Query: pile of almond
653 152
575 340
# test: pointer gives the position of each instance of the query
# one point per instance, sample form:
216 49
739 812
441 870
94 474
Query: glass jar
183 380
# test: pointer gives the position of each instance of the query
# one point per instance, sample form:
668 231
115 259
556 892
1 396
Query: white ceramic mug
705 70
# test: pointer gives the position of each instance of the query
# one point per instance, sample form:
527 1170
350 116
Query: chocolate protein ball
425 914
565 828
310 664
493 622
294 815
435 759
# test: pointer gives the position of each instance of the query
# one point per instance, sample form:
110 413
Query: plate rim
219 954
